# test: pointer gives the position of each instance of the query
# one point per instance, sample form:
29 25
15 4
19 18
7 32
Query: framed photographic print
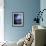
18 19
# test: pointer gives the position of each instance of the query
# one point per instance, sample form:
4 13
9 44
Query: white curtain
1 20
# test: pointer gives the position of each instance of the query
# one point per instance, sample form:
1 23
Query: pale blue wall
29 7
43 6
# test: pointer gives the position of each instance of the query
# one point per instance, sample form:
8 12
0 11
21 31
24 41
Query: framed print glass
18 19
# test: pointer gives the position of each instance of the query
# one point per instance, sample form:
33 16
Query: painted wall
43 6
29 7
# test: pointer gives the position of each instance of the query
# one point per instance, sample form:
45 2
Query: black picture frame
18 19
